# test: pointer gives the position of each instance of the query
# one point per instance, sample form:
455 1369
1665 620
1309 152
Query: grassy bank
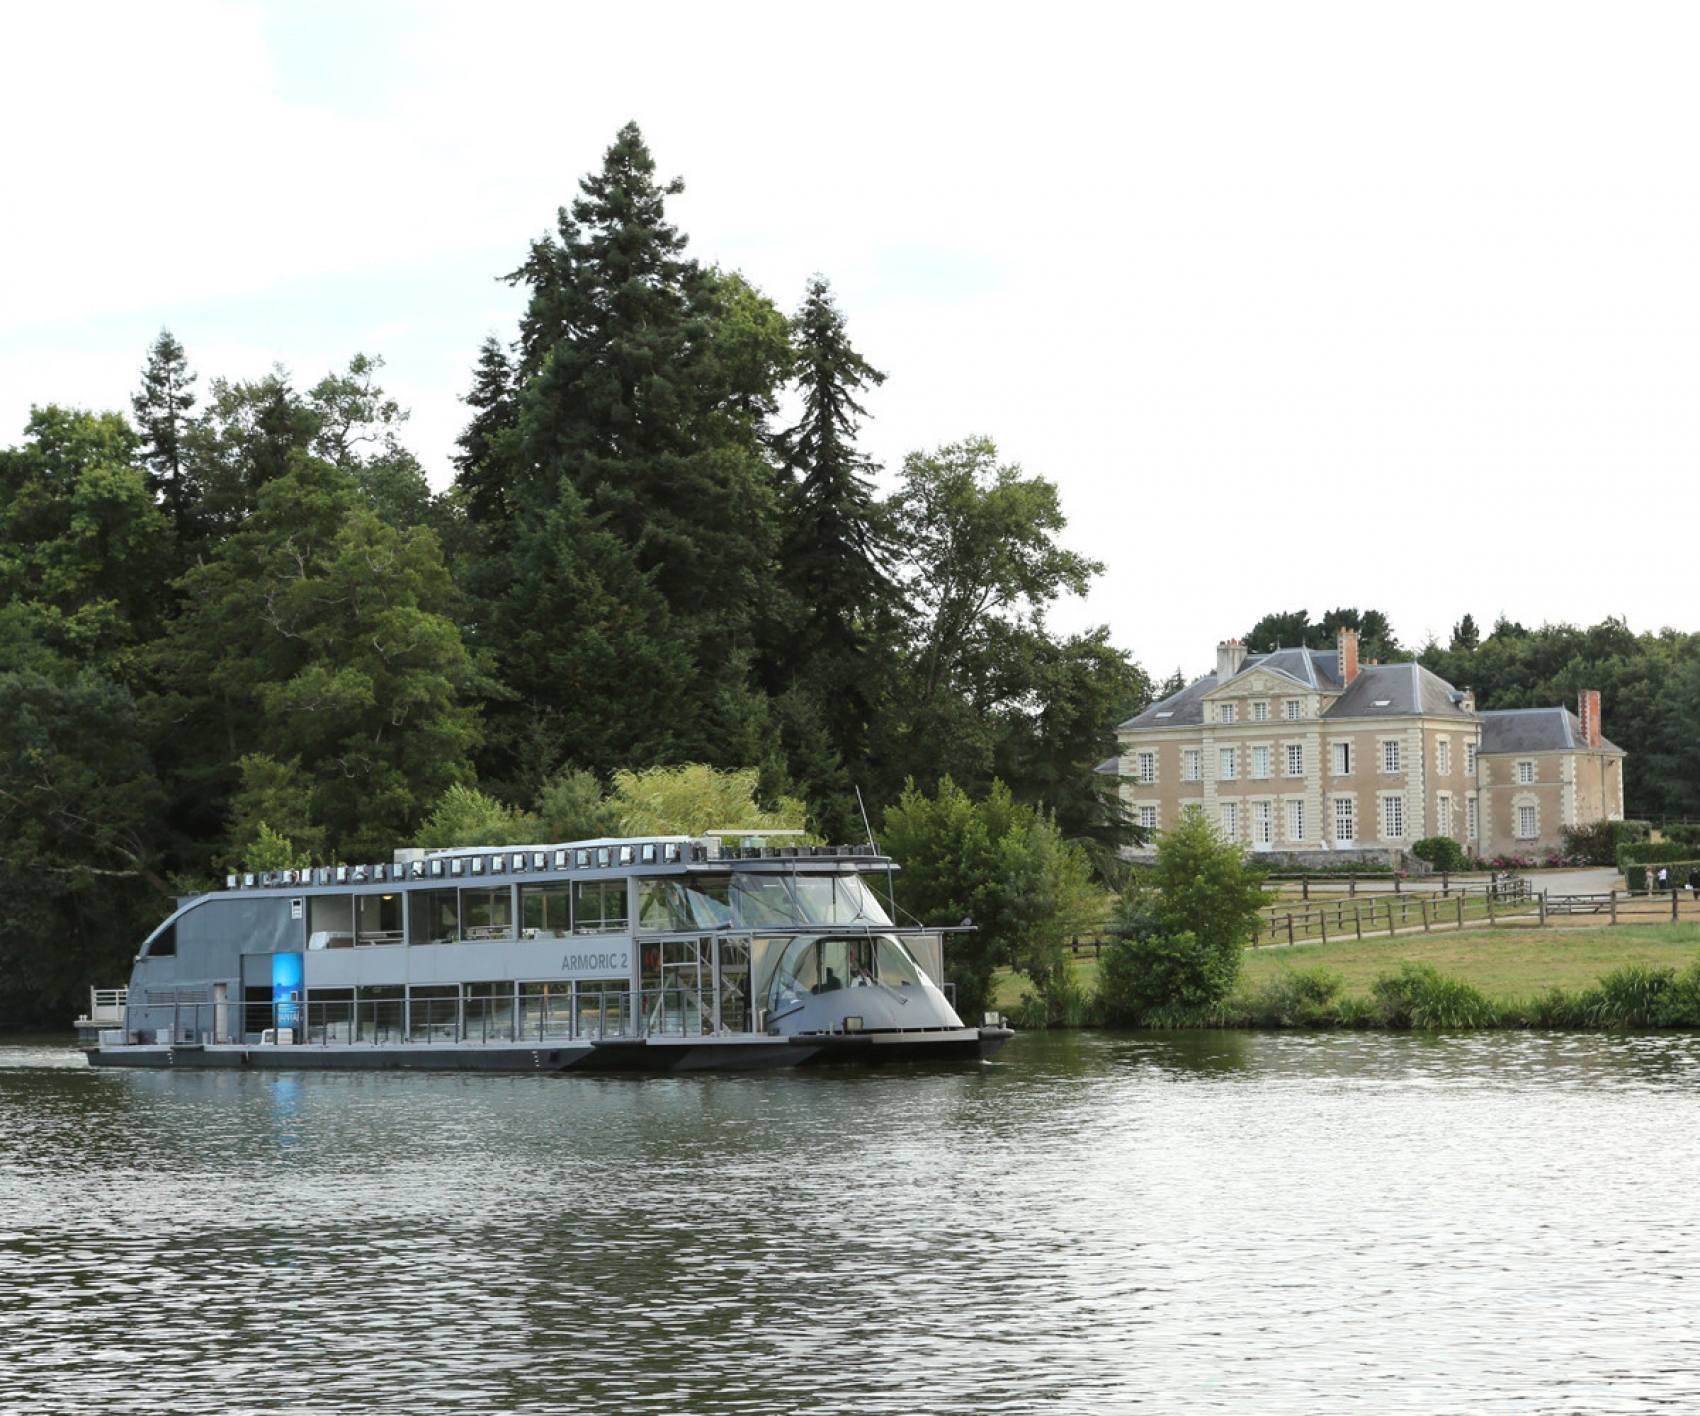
1501 977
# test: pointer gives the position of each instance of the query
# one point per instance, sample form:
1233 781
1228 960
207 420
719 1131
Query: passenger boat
662 954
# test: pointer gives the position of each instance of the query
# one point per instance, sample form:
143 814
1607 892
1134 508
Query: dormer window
1260 712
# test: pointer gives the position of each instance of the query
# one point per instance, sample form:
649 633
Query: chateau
1310 753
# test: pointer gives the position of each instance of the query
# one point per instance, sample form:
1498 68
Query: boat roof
659 855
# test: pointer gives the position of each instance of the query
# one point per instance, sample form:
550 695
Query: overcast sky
1301 305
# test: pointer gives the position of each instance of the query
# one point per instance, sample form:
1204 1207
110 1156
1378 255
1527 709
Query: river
1092 1222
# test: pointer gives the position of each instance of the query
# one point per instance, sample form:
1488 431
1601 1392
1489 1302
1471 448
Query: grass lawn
1505 963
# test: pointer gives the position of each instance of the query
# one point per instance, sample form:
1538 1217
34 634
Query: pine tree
486 457
833 557
645 378
162 407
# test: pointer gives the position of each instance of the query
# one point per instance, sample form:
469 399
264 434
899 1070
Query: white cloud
1310 304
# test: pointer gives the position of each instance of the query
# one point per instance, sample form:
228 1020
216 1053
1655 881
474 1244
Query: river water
1214 1221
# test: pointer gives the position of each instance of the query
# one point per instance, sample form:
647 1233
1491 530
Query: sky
1300 305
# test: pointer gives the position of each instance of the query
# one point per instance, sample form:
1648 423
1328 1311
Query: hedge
1635 876
1653 853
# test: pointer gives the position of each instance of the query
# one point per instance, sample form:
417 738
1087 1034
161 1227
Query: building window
1393 818
1470 820
1389 757
1343 828
1295 759
1260 712
1227 713
1191 764
1342 758
1525 773
1443 815
1443 757
1526 823
1294 708
1295 821
1263 823
1469 759
1231 820
1147 818
1146 767
1260 763
1228 764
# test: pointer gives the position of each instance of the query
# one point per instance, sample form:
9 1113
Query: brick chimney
1230 654
1588 710
1348 655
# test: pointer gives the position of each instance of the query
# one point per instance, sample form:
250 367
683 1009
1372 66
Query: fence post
1322 921
1445 883
1390 919
1396 885
1614 905
1543 897
1304 882
1424 907
1351 887
1358 920
1490 904
1675 895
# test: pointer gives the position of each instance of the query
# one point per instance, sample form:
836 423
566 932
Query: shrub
1420 996
1635 876
1652 853
1633 996
1442 852
1597 844
1296 998
1684 833
1138 977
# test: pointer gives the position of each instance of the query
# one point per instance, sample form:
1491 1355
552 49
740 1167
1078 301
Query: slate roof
1536 730
1379 690
1397 690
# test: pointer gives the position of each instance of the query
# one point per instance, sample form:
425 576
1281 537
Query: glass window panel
330 921
545 911
433 917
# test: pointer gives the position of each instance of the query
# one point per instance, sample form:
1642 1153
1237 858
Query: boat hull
633 1055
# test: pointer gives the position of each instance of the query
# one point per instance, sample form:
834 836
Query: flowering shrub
1505 862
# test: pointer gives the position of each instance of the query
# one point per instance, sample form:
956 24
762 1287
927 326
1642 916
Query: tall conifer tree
162 407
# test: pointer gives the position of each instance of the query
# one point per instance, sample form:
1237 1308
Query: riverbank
1565 976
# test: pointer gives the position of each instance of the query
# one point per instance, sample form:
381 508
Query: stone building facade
1311 754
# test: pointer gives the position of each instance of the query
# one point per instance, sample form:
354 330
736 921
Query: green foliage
1419 996
1002 865
1139 976
695 799
320 635
1180 933
274 803
1597 844
272 850
465 816
1634 858
1293 629
1204 886
84 553
1297 998
1442 852
572 807
162 407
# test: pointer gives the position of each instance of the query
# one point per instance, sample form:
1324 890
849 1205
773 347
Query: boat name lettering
596 963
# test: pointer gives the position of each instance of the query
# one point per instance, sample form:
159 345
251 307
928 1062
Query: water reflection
1261 1222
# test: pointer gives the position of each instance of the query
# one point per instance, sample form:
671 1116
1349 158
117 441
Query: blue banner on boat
286 990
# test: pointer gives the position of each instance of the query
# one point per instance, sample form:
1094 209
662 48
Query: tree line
240 629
